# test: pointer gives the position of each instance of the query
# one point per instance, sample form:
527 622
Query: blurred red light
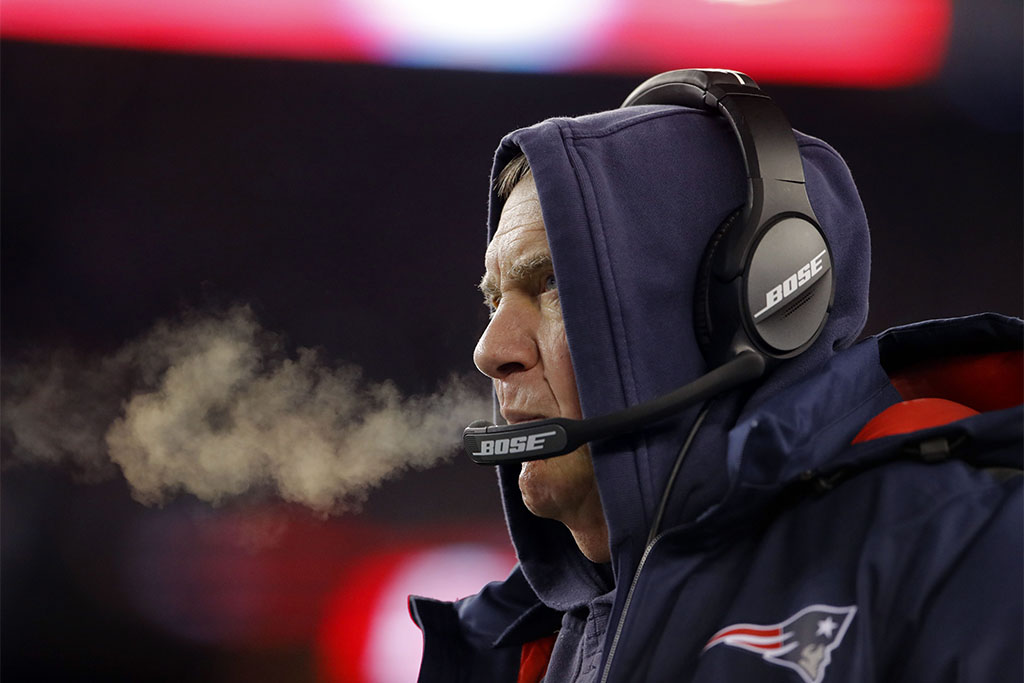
367 634
872 43
348 612
867 43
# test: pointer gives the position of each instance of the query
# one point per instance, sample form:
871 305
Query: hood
630 198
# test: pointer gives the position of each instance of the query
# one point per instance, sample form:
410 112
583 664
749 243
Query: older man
851 515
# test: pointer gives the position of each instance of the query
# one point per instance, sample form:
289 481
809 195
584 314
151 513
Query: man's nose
509 344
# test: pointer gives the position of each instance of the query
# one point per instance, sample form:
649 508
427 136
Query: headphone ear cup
702 314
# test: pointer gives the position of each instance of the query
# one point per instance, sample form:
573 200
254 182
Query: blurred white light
526 33
394 645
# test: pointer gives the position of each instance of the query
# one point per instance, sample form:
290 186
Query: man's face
525 352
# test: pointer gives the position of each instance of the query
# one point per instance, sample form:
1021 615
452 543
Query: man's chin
535 486
553 486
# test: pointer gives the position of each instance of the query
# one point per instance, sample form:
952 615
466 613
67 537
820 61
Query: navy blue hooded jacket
786 553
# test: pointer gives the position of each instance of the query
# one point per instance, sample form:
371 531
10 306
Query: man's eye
549 283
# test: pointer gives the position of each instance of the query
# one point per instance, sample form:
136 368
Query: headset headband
769 148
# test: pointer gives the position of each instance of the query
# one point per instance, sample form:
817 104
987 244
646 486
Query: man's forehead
521 236
522 208
520 211
516 242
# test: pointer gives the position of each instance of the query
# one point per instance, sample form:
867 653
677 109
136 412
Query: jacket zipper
625 607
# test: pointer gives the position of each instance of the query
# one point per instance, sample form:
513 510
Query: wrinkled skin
525 352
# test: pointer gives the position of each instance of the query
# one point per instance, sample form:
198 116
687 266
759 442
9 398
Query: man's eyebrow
521 271
488 287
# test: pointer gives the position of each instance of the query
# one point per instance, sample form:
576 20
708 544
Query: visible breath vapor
212 405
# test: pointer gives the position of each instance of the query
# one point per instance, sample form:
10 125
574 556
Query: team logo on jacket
804 642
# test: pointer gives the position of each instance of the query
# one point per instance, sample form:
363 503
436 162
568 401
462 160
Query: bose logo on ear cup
807 274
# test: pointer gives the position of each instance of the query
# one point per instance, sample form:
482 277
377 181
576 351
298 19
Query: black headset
764 289
766 280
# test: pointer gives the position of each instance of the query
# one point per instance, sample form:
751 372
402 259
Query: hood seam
620 338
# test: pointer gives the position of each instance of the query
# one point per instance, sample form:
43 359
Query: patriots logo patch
804 642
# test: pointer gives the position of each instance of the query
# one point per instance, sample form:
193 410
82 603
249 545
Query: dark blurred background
344 201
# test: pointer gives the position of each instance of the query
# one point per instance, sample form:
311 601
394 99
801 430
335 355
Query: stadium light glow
533 34
867 43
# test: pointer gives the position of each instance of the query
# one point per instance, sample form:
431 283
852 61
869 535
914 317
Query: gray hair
514 171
